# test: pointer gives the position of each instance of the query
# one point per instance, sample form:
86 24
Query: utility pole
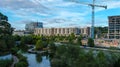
93 5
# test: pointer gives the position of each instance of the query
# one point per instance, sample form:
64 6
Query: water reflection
9 56
37 60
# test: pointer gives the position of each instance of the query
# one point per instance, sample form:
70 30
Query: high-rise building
114 27
31 26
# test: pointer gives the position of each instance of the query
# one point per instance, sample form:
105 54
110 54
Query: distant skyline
57 13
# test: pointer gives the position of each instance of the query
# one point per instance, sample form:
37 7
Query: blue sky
57 13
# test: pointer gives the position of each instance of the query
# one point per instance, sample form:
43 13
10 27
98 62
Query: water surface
35 60
9 56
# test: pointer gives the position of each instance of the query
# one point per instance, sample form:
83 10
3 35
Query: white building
20 32
61 31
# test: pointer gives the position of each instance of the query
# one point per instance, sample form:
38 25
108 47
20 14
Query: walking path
33 51
103 49
15 60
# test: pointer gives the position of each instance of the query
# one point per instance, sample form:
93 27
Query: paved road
15 60
103 49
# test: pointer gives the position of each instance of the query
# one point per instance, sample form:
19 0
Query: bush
22 61
5 63
90 42
39 45
73 56
21 64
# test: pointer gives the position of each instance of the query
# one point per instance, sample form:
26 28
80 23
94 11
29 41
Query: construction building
31 26
114 27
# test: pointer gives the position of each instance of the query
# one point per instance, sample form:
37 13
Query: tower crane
93 5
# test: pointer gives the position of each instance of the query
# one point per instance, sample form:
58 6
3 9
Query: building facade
60 31
114 27
31 26
21 32
85 31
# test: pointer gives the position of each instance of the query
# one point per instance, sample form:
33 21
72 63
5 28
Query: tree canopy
5 26
90 42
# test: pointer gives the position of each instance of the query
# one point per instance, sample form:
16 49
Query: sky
58 13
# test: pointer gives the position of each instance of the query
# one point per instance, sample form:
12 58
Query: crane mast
93 21
93 5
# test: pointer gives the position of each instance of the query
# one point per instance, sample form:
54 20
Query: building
114 27
107 42
21 32
56 31
85 31
59 31
18 32
31 26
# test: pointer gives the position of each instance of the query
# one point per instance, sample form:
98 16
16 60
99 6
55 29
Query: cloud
56 20
24 5
111 4
53 13
20 24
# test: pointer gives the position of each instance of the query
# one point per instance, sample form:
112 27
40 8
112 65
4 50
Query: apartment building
85 31
61 31
114 27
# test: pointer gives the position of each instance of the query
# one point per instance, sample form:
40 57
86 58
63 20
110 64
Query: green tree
14 50
39 45
17 37
52 47
21 64
79 42
3 45
90 59
90 42
10 42
101 31
3 17
61 50
71 54
117 63
5 63
71 38
22 45
6 28
28 39
101 60
58 63
6 34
